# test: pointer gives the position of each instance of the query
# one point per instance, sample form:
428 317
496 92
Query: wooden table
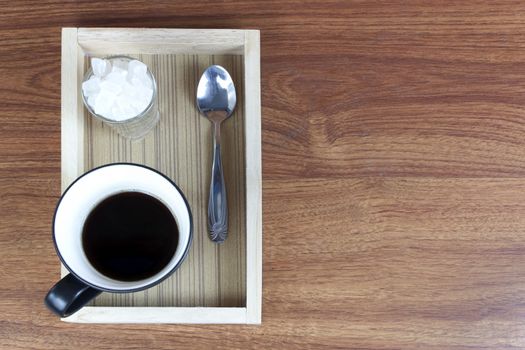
393 166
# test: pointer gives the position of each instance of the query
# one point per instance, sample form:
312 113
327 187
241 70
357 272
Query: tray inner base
180 147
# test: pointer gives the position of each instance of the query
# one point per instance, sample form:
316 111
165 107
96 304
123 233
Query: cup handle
69 295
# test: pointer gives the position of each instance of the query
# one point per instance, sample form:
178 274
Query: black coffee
130 236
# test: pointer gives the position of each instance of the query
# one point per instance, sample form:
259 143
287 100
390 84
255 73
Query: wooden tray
217 283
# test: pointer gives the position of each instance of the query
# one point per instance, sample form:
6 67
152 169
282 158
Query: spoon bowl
216 97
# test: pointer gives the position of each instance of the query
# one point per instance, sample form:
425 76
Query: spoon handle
217 202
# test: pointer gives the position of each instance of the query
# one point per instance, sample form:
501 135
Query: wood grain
393 173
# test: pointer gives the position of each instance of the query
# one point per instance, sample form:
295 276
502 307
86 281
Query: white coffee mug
84 282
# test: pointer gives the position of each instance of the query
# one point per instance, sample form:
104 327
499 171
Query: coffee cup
118 228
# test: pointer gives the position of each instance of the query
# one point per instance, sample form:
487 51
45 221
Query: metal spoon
216 100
